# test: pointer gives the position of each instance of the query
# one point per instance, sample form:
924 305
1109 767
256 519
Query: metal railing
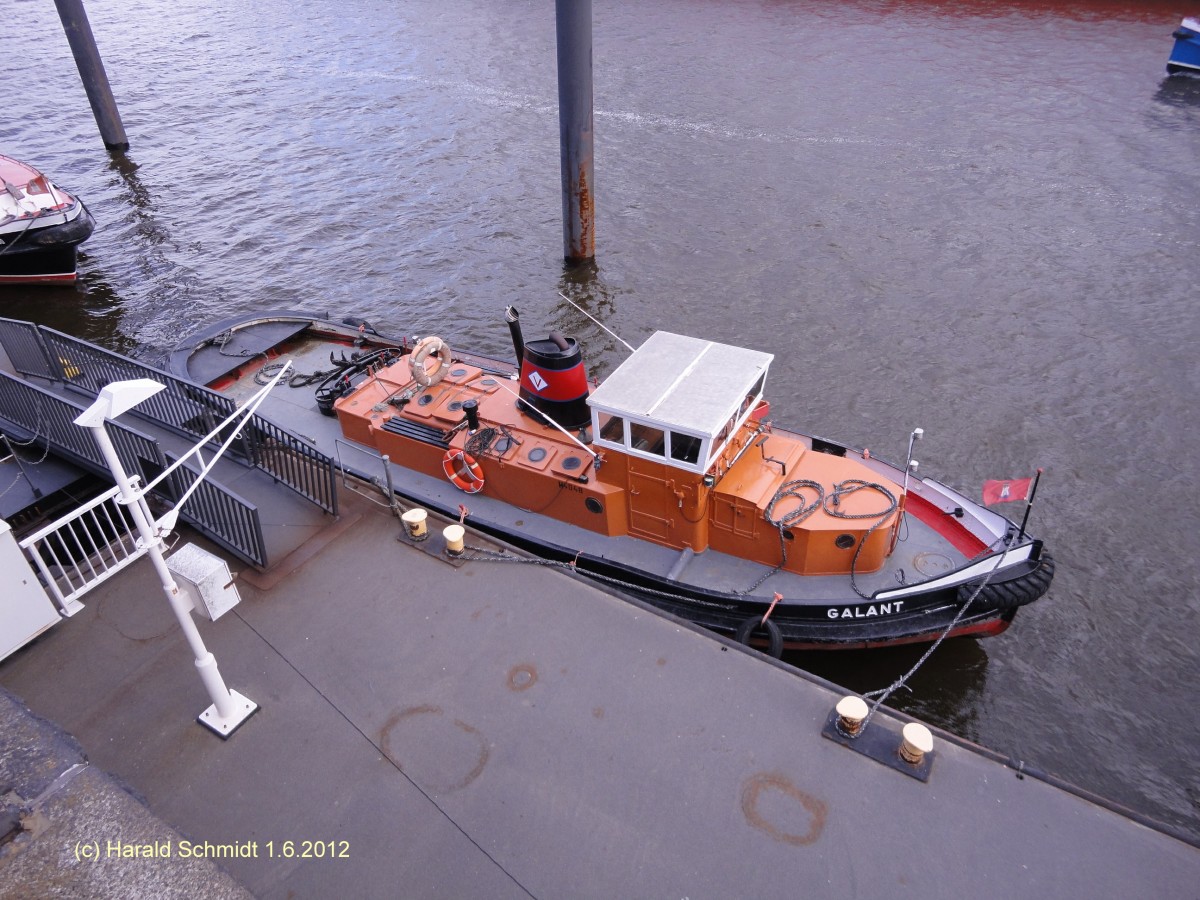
83 548
214 510
192 411
23 345
47 416
384 485
219 514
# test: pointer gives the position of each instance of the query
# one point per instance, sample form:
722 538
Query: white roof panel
686 383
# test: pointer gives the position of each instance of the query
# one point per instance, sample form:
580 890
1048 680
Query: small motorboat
41 225
1185 55
667 481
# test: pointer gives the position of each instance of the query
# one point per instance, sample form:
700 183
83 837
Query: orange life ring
462 470
416 362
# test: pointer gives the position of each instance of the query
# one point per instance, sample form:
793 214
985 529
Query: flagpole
1032 493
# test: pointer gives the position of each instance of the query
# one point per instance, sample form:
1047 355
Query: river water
980 218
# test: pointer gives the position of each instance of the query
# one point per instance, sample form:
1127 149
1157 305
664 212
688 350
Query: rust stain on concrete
761 785
432 751
522 677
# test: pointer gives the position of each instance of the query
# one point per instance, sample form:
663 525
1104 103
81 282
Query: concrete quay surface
493 729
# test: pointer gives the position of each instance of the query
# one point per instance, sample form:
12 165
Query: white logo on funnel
536 379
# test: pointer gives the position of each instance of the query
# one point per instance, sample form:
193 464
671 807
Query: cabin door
650 499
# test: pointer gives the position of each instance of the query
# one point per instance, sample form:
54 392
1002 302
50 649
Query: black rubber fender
1008 596
754 626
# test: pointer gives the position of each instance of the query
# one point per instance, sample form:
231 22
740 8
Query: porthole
844 541
593 505
502 445
571 463
537 454
457 373
455 406
425 400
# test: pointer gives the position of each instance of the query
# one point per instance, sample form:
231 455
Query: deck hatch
416 431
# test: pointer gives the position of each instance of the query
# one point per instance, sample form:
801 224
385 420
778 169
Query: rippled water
979 218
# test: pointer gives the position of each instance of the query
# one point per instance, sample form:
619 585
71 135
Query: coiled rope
300 379
485 438
832 505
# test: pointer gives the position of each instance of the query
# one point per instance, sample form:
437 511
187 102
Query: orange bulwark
695 476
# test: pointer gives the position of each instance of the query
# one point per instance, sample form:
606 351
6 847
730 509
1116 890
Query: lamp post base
244 708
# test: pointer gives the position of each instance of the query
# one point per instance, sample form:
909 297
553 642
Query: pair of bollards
416 525
916 740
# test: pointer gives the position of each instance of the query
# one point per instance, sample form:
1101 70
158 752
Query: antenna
550 421
594 319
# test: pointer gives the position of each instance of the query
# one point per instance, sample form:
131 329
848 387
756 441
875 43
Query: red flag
1004 491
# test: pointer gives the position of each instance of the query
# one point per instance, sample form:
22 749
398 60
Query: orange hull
544 471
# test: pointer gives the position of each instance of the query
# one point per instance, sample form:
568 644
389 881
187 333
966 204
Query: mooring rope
847 488
16 240
789 489
883 693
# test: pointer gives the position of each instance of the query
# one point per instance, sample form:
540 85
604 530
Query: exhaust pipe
513 318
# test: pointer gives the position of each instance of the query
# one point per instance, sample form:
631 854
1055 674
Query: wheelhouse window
647 438
685 447
612 428
754 394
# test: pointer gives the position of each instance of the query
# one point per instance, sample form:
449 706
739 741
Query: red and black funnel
553 379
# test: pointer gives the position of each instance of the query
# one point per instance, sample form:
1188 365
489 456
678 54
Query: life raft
463 471
416 362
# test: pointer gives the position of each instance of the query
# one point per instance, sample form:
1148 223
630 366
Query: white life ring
416 362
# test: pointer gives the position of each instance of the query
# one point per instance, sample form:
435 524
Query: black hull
801 624
45 254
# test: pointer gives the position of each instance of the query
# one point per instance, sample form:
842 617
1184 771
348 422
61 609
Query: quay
448 728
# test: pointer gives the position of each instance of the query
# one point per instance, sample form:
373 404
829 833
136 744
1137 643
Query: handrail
82 558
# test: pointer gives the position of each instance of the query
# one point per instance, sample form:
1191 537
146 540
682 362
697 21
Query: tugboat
1185 55
667 481
41 225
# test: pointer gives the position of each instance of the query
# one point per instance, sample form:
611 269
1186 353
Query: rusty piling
574 29
91 70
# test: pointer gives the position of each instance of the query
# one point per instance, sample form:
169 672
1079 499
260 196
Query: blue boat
1185 56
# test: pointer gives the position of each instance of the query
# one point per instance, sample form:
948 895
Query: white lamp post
229 708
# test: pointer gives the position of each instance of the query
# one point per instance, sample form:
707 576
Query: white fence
83 548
